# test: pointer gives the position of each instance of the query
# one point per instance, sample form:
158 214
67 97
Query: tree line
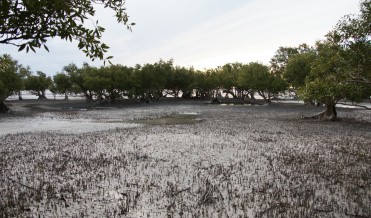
150 81
334 69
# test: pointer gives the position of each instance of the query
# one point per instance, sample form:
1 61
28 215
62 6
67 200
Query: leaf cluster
28 24
10 77
38 84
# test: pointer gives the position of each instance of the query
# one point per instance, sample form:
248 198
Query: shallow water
176 119
55 124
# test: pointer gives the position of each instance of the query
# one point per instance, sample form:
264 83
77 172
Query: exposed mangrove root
321 116
328 114
21 184
274 207
234 101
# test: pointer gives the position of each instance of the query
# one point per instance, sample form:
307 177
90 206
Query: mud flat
66 159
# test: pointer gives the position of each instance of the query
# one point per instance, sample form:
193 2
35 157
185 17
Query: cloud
250 32
202 34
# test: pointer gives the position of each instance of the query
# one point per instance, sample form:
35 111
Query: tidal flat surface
76 160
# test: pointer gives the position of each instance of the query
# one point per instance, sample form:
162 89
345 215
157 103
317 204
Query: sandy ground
72 159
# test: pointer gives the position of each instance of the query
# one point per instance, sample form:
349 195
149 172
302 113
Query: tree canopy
28 24
283 54
333 70
297 69
38 84
342 66
353 33
62 84
255 77
10 79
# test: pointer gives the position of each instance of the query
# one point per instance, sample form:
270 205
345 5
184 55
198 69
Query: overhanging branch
356 105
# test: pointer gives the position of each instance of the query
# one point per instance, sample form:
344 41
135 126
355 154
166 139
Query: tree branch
356 105
9 43
360 81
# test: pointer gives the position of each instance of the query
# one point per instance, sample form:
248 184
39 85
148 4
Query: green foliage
28 24
77 76
206 84
257 78
282 56
279 60
94 81
110 82
324 90
120 78
10 77
340 68
298 68
38 84
150 80
333 70
353 33
115 82
62 84
179 79
327 82
229 78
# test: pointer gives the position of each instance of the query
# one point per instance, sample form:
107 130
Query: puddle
233 104
176 119
47 124
76 108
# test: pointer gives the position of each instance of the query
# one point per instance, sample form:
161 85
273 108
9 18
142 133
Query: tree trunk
230 92
328 114
20 96
252 95
65 96
269 99
112 97
187 94
266 98
42 95
3 107
88 96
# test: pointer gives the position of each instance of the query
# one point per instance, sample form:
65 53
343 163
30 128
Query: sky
198 33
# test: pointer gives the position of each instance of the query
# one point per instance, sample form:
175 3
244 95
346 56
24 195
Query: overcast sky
199 33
